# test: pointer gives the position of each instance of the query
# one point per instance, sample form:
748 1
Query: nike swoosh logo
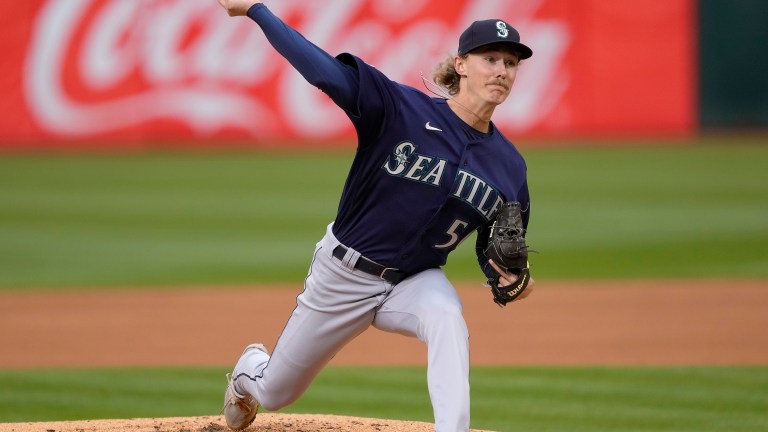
430 127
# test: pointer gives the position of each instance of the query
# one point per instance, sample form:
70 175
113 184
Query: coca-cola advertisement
125 73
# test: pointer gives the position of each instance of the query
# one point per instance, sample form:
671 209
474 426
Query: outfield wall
121 74
733 64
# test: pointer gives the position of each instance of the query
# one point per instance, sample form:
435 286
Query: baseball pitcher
428 172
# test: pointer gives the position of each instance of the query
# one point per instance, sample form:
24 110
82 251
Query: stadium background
159 144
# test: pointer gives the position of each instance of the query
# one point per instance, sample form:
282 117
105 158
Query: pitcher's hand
507 278
237 7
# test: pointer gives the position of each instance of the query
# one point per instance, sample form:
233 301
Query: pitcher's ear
459 63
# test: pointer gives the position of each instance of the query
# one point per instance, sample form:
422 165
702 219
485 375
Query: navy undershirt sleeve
480 245
336 79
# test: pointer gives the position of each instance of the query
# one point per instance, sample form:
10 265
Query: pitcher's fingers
507 275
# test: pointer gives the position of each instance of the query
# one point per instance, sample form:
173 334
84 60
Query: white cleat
240 410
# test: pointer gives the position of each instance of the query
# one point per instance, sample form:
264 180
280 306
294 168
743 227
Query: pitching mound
264 422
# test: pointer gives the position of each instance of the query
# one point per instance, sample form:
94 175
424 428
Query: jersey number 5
455 235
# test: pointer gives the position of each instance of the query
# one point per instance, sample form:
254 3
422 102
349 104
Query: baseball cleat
240 410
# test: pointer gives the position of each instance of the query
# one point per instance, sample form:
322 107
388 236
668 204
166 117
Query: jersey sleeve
366 95
377 101
335 78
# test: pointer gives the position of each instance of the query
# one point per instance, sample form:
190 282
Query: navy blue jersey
422 179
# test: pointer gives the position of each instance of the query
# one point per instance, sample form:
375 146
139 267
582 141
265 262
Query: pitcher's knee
276 402
447 315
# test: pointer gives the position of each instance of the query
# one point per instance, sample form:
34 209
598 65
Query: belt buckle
382 276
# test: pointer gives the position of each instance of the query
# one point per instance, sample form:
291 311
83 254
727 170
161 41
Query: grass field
503 399
164 220
242 218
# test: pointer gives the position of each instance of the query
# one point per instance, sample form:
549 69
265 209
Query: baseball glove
507 248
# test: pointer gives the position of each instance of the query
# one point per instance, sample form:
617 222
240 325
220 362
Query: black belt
365 265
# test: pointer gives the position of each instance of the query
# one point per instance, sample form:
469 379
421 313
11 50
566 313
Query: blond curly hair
445 75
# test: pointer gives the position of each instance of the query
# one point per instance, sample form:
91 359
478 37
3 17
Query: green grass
163 219
503 399
169 219
672 212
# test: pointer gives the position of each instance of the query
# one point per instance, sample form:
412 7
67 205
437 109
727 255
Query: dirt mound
264 422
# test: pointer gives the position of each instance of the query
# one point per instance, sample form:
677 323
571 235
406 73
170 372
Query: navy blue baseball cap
492 31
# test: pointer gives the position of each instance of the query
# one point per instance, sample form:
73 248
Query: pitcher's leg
312 340
334 308
427 306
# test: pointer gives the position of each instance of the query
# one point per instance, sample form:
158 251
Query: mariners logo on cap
491 31
501 26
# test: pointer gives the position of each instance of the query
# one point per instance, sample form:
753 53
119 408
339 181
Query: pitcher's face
490 73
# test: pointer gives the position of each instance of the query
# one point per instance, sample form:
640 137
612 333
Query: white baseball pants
337 304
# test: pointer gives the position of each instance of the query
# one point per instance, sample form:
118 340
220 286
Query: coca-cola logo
104 66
